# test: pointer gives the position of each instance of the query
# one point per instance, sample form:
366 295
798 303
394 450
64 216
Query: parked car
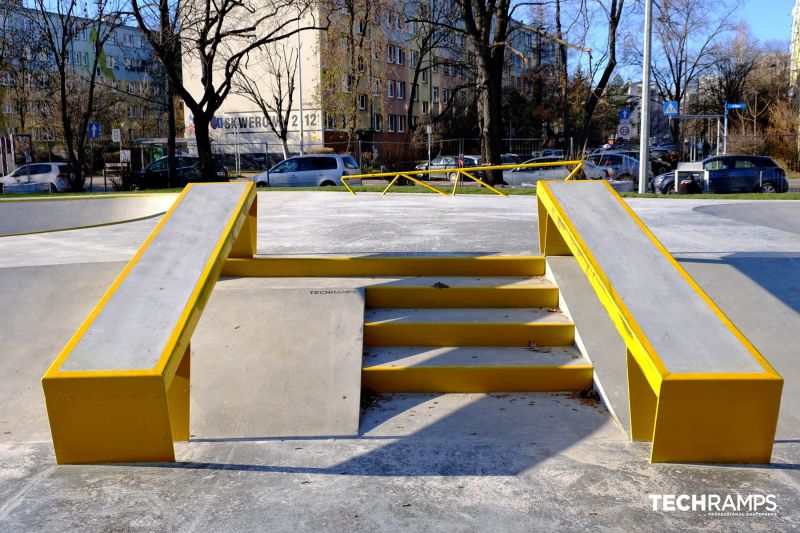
522 176
657 165
56 175
442 162
732 174
511 159
187 169
623 166
317 170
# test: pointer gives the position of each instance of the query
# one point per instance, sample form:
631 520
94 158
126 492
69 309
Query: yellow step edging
385 266
459 379
461 297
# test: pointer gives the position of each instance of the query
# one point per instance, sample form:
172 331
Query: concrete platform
420 462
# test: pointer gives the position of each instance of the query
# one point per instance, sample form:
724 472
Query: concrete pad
42 308
29 215
277 362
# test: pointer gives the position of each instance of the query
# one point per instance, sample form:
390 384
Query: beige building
377 95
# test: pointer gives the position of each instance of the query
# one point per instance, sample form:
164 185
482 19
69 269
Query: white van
317 170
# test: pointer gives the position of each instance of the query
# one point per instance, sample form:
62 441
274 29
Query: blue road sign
94 130
670 109
624 114
736 106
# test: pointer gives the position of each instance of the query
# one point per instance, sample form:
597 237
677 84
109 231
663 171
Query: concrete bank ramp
273 362
34 215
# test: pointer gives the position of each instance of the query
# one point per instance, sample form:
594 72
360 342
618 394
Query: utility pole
644 134
300 84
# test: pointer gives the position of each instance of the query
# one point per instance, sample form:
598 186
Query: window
400 93
715 164
377 121
424 75
362 27
350 162
362 101
413 59
401 56
434 64
392 123
390 89
426 107
413 121
446 94
743 163
318 163
391 53
8 108
347 83
435 96
398 21
415 92
401 123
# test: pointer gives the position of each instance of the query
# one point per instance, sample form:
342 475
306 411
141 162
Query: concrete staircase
471 332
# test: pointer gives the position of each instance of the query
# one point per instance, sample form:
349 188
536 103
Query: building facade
356 81
129 88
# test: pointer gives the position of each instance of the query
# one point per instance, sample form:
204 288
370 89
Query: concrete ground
509 462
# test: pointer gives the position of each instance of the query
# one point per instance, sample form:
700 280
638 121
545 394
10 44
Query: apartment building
130 92
366 93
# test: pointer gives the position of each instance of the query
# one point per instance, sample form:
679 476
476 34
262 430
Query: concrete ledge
119 390
697 387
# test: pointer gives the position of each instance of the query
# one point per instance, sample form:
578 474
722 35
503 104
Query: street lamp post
644 134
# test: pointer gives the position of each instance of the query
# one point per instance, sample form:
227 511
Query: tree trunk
171 133
201 133
490 113
285 146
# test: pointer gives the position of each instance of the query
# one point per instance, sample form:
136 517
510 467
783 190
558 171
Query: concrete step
467 327
462 292
474 369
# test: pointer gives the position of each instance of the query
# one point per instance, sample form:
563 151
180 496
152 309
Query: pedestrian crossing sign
670 108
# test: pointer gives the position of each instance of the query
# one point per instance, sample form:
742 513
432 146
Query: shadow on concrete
448 435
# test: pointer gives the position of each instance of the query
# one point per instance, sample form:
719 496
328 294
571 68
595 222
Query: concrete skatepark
422 461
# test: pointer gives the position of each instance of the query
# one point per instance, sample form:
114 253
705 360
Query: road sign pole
644 134
725 132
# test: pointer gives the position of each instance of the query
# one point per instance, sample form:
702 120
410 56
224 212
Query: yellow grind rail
714 416
461 173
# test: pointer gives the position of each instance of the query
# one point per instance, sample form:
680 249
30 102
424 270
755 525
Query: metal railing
461 173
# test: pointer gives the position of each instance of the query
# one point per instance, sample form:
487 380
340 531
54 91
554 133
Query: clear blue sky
768 19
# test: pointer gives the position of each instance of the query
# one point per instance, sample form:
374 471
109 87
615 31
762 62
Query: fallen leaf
440 285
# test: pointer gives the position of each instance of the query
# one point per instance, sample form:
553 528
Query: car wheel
53 187
327 184
261 184
134 187
669 189
768 188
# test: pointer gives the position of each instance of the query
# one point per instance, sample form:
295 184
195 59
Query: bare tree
60 25
273 91
216 38
354 56
686 32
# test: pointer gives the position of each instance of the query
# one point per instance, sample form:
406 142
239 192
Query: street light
644 134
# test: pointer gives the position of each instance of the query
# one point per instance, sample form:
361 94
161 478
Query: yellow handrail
460 172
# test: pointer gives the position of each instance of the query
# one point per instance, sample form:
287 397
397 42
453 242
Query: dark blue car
731 174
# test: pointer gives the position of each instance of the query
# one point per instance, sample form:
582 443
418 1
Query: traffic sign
94 130
116 135
624 114
736 106
670 109
626 131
